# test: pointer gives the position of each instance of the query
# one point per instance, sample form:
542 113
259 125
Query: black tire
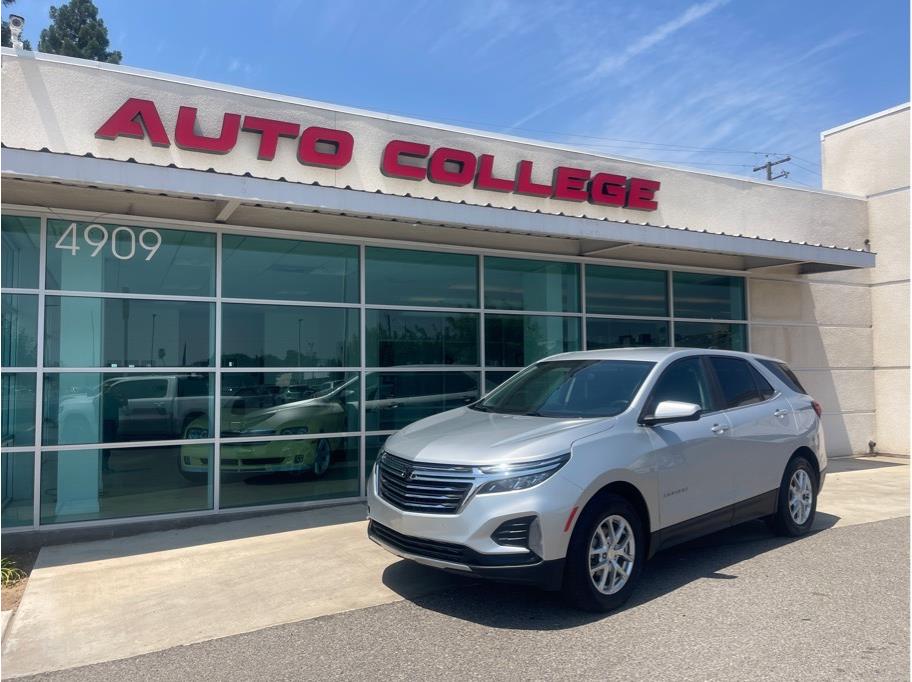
579 588
782 522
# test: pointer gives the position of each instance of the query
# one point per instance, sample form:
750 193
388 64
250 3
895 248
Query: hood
466 436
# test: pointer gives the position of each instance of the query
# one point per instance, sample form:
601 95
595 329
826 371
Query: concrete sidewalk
111 599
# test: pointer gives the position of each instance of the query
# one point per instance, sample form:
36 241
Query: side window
766 391
686 382
736 380
784 373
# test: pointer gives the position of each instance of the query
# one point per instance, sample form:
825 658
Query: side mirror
670 411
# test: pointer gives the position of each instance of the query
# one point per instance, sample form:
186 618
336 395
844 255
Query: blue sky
707 84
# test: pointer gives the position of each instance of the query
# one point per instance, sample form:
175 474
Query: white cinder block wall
870 157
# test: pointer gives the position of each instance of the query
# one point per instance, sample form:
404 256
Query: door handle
718 429
780 413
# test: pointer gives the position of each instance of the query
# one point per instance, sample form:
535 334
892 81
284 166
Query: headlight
294 431
521 475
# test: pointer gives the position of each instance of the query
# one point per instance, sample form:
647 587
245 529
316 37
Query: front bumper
527 568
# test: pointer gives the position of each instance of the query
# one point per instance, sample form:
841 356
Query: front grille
431 549
252 462
423 487
513 533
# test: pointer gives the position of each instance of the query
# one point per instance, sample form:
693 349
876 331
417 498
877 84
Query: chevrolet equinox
575 471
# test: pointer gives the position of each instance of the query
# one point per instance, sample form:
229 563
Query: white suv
582 466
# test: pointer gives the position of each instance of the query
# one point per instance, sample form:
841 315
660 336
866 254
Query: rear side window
784 373
766 391
736 380
686 382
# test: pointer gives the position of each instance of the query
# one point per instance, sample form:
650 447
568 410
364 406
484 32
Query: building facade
219 300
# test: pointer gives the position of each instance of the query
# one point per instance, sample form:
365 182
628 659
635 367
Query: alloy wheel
612 552
800 496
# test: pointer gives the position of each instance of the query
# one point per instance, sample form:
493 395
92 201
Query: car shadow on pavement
517 607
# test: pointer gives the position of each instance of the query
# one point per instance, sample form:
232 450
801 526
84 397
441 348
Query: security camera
15 25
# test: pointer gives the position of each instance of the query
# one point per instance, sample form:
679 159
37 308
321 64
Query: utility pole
769 169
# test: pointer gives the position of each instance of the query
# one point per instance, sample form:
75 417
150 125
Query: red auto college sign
401 159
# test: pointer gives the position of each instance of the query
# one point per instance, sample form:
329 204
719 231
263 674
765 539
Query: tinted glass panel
766 391
372 446
20 330
123 332
710 296
396 399
495 379
126 259
519 340
289 336
626 291
518 284
18 472
736 380
396 337
92 407
711 335
685 382
421 278
784 373
79 485
611 333
18 409
259 267
20 238
289 471
289 403
570 389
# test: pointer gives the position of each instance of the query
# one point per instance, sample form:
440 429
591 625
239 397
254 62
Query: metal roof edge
184 182
290 99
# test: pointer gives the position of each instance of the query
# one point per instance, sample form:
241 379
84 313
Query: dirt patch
11 595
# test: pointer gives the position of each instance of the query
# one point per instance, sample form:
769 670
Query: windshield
569 389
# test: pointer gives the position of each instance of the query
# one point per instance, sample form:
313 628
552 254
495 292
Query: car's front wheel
605 556
797 499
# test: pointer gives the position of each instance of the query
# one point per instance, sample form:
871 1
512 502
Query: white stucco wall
871 157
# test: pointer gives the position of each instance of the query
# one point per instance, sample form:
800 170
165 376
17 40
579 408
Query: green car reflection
329 410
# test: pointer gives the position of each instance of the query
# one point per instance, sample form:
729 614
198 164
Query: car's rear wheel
797 504
322 459
605 555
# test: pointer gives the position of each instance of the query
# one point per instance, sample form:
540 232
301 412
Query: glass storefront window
289 269
20 238
519 340
711 335
626 291
420 278
289 336
520 284
20 330
289 403
284 471
372 446
92 407
128 259
18 472
123 332
18 409
615 333
396 399
108 483
713 297
401 338
495 379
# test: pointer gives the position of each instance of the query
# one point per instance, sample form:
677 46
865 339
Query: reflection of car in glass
329 411
128 408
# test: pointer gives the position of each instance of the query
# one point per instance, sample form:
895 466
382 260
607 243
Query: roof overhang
596 237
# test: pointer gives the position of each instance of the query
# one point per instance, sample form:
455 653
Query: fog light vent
513 533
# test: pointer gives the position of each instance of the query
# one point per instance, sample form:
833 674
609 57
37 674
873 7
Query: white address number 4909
122 239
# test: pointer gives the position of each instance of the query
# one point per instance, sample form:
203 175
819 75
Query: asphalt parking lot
742 604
